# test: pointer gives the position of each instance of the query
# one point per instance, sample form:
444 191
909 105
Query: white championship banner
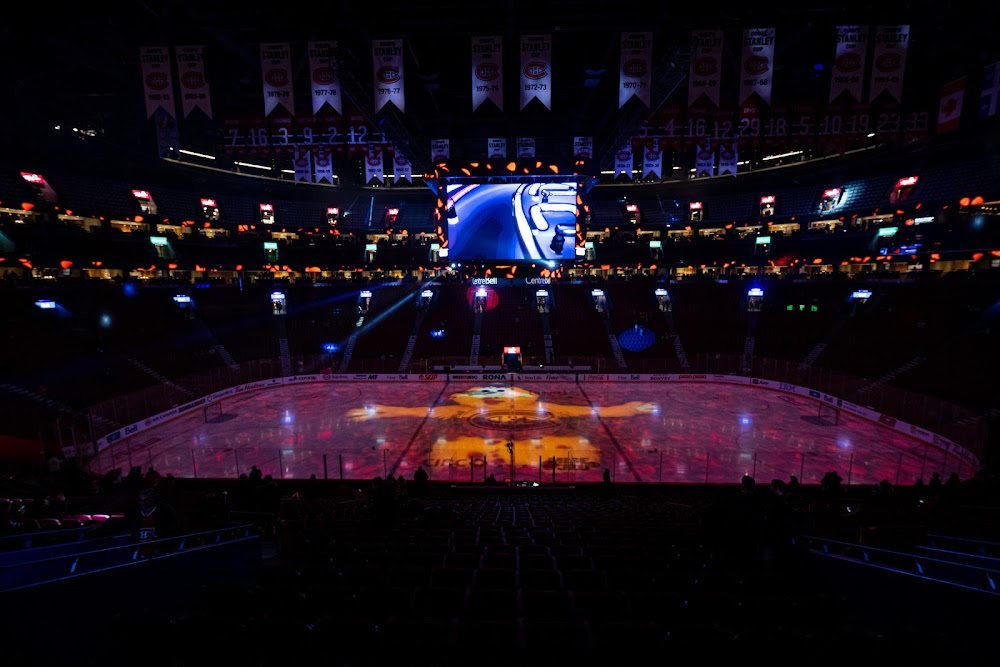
635 72
440 150
302 162
487 71
401 168
387 65
705 77
536 69
323 75
848 73
323 164
623 161
276 70
652 160
704 160
889 61
757 66
496 147
374 163
157 83
191 75
525 147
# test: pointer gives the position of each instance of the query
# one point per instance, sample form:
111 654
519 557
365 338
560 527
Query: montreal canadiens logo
756 65
652 156
622 156
401 160
704 66
192 80
276 78
487 72
704 155
888 62
375 159
634 68
323 75
157 81
849 62
387 74
535 70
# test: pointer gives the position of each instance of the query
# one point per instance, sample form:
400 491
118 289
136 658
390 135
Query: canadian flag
950 111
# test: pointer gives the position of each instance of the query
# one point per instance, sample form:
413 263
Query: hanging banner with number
635 73
536 69
487 71
157 83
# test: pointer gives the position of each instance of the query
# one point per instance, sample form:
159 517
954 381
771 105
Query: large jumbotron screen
532 221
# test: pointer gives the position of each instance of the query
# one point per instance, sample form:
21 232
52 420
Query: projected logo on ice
537 428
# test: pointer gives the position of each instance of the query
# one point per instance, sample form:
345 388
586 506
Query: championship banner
487 71
440 150
194 86
323 75
757 67
704 79
276 65
525 147
889 61
323 164
950 109
848 73
635 74
536 70
387 64
158 85
990 93
728 157
652 160
402 169
374 167
583 147
704 160
496 147
623 161
302 162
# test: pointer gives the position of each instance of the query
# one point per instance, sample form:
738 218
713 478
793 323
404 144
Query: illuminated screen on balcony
512 221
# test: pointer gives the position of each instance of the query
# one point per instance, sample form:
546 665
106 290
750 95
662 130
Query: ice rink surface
561 432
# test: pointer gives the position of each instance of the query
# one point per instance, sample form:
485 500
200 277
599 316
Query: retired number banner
536 70
487 71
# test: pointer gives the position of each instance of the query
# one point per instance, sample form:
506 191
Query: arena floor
561 432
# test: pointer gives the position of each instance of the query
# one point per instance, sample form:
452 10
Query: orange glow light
65 264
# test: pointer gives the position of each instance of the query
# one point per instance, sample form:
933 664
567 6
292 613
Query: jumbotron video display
535 221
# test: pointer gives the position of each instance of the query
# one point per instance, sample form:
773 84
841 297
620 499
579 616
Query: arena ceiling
79 65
